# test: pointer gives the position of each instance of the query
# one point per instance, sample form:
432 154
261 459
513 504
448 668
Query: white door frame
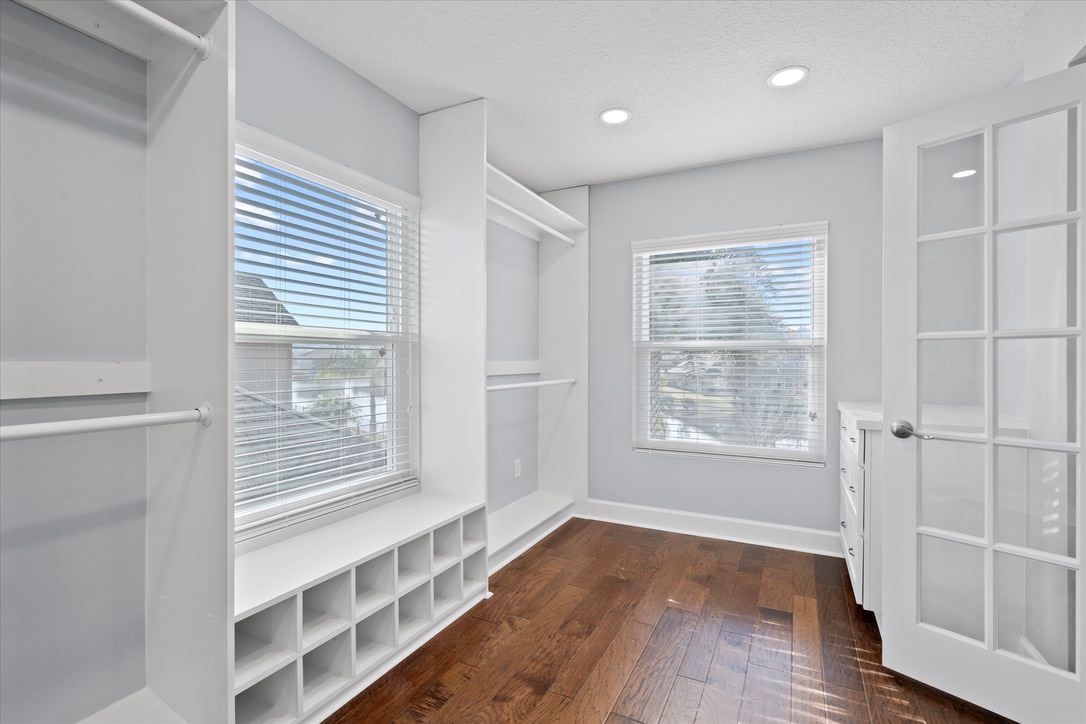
976 671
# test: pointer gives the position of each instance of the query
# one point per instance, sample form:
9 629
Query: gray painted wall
841 184
512 268
72 287
289 88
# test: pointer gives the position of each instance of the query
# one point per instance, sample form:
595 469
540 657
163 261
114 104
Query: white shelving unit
559 224
326 625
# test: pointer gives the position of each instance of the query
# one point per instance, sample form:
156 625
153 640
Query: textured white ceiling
693 73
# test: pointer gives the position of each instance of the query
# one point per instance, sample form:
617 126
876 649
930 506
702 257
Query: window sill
731 457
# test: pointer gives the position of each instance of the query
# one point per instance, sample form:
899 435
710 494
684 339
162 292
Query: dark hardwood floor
608 623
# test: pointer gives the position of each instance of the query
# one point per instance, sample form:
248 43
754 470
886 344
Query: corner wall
841 184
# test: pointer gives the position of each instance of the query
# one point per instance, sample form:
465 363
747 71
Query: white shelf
411 581
326 670
270 701
254 659
138 708
290 565
444 563
473 546
500 368
511 203
520 516
410 627
319 626
369 602
369 654
322 685
537 383
474 588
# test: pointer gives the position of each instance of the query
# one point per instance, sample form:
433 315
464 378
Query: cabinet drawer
852 545
852 482
850 434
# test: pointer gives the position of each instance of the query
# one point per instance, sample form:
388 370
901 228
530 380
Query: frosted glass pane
1035 167
1036 494
950 291
1036 278
1035 386
1035 610
951 385
952 486
948 203
952 586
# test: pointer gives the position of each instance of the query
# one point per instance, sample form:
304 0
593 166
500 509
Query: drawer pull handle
843 427
843 524
852 439
843 470
852 488
852 552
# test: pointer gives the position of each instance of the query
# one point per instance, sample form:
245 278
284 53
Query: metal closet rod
200 43
201 414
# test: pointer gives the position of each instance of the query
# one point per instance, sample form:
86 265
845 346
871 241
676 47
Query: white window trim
740 237
254 530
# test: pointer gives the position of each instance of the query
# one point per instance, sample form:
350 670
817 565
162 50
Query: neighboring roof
255 302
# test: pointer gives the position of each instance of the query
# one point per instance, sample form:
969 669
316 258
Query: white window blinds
729 344
326 322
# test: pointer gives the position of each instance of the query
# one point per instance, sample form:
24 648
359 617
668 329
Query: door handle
904 428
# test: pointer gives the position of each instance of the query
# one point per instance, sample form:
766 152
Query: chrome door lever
904 428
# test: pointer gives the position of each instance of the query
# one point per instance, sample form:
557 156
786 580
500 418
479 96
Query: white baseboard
774 535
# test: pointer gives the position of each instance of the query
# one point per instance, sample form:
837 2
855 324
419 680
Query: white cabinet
860 463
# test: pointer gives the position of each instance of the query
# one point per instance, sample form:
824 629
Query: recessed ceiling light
788 76
615 116
964 173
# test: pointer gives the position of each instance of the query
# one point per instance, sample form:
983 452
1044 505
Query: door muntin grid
1001 384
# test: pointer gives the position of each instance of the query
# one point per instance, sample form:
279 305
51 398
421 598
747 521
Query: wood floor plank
771 645
741 609
845 705
551 709
722 696
808 692
601 689
752 560
839 663
776 589
682 701
766 695
645 693
575 671
699 653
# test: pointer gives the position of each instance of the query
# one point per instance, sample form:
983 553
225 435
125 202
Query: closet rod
200 43
201 414
521 385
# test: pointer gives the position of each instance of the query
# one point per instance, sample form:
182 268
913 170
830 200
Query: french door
983 382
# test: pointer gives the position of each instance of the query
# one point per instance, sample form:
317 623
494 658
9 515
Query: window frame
280 520
640 350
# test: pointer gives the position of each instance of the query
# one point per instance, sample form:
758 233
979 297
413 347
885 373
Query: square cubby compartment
474 531
414 612
446 546
413 563
325 670
272 700
474 574
326 609
447 596
374 639
374 584
264 641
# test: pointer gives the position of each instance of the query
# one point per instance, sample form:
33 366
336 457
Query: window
729 344
326 350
